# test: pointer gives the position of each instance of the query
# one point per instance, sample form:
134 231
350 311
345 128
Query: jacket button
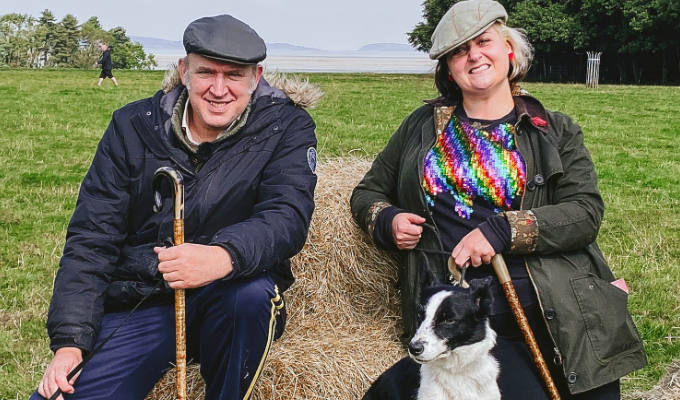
571 378
550 314
538 179
531 186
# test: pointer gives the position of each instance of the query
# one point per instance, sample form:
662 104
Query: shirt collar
187 131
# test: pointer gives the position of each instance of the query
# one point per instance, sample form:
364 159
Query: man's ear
181 69
258 73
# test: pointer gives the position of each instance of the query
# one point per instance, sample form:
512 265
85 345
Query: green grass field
52 121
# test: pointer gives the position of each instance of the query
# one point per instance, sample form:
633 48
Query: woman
485 169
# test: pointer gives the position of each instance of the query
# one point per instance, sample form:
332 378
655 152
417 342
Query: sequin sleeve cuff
523 231
373 213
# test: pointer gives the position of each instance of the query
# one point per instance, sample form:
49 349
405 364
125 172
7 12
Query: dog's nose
416 348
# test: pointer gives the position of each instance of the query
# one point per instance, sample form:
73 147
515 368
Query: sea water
372 64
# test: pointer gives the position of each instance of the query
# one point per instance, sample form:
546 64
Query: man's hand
193 265
64 361
406 230
473 247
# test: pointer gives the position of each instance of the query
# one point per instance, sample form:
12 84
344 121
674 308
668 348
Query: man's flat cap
224 38
465 20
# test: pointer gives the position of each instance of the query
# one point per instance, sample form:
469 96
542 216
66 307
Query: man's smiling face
218 92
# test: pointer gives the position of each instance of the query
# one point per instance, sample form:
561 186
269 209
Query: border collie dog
450 353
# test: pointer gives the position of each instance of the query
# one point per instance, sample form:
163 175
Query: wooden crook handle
503 275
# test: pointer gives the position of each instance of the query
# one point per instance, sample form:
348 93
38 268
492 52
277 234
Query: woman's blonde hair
524 51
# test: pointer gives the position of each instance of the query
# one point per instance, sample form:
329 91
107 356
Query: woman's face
481 64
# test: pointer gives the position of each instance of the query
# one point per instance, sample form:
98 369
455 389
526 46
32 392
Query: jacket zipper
557 354
140 123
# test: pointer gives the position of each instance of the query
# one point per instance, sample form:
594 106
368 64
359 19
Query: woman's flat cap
224 38
465 20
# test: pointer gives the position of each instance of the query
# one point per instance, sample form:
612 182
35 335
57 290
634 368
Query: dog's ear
480 290
428 277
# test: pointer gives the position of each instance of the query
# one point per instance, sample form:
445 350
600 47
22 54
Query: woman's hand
406 230
473 248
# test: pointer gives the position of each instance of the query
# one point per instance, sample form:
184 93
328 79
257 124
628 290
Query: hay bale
343 310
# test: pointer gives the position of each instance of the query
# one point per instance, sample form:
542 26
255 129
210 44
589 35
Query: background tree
433 10
18 45
91 37
554 32
654 27
45 32
128 55
27 42
66 41
638 38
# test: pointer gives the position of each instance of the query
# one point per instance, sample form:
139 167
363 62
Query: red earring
511 56
450 78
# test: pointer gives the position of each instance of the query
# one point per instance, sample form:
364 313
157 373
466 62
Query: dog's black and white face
450 317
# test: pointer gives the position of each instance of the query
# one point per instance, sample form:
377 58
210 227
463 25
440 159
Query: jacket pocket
604 309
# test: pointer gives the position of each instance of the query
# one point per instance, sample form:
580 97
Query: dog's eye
447 319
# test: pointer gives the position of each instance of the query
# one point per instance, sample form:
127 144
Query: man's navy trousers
230 327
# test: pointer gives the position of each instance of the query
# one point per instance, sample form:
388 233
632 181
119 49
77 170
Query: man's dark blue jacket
105 60
253 195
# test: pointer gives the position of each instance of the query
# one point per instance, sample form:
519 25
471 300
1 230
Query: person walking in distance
105 61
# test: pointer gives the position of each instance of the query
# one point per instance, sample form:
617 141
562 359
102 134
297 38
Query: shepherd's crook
504 277
180 329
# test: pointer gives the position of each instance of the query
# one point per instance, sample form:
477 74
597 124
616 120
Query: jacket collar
168 101
531 110
157 139
528 109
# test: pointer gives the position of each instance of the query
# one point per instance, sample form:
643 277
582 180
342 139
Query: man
105 61
247 155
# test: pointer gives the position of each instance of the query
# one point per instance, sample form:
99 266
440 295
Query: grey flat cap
465 20
224 38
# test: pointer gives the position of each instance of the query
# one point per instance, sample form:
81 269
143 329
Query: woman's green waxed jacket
587 317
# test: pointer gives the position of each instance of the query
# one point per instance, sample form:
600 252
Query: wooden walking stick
180 307
506 283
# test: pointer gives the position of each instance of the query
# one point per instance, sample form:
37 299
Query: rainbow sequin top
471 163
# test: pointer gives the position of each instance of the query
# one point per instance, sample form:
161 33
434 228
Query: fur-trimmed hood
298 90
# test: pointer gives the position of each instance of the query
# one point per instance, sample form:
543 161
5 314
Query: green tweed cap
465 20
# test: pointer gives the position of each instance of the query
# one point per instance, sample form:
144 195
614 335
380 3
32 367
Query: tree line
639 39
30 42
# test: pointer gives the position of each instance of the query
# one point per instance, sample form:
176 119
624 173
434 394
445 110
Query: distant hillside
175 47
288 49
154 45
387 47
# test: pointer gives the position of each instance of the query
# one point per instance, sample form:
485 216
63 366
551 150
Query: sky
321 24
